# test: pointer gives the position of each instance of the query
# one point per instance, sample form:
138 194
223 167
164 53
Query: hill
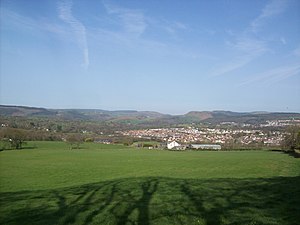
7 110
76 114
147 118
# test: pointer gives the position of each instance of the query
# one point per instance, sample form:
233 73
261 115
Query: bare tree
75 140
15 137
291 140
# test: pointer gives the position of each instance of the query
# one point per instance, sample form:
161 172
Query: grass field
112 184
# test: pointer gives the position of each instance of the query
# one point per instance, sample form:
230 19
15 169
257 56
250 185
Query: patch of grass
113 184
158 200
54 165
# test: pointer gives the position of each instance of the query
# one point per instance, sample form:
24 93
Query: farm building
172 145
205 146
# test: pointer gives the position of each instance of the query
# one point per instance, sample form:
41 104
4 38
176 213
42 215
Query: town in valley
194 130
270 134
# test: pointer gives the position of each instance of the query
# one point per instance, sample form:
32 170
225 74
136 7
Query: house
205 146
172 145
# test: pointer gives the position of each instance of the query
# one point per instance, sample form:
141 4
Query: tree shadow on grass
158 200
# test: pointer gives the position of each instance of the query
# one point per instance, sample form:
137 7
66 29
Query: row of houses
176 146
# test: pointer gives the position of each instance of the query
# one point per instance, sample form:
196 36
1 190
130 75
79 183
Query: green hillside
143 118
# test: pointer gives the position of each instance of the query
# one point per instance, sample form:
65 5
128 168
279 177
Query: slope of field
106 184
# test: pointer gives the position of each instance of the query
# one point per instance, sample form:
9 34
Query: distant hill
145 117
77 114
7 110
249 118
199 116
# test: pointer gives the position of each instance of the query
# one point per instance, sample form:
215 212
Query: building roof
206 146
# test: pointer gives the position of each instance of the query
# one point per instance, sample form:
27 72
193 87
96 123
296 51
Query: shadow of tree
158 200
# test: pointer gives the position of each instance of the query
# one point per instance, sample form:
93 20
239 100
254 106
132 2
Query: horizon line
135 110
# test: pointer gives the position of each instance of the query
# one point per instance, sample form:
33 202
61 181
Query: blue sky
169 56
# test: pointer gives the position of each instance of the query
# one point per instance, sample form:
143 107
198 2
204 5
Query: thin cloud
172 27
283 41
296 52
65 14
247 44
248 49
42 28
18 21
132 21
252 46
274 75
272 9
231 66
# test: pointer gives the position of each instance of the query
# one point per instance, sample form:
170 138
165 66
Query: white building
172 145
205 146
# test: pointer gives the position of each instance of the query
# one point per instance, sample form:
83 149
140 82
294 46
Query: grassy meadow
113 184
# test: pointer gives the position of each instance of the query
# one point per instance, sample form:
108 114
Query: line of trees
15 138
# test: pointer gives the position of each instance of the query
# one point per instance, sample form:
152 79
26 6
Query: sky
169 56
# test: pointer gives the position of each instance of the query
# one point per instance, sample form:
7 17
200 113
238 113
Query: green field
113 184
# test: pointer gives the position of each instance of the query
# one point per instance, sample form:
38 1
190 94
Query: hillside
6 110
78 114
148 118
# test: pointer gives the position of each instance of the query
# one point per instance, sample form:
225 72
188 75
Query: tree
127 141
291 139
15 137
75 140
59 128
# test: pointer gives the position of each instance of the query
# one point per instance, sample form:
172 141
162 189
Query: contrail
65 14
